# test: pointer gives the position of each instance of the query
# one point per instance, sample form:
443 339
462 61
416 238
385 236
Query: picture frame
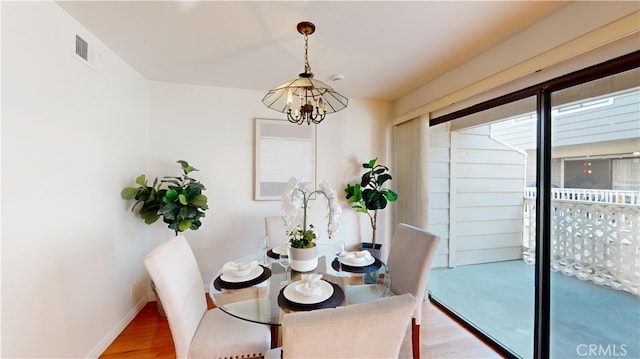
282 150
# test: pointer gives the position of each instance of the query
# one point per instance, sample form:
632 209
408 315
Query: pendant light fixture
305 99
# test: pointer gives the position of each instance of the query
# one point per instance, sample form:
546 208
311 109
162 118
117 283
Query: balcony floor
499 299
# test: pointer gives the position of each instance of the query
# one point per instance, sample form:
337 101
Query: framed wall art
282 150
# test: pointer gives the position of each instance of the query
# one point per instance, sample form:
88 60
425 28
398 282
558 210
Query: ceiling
384 49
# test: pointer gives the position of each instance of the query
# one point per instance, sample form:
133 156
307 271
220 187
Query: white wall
72 273
213 129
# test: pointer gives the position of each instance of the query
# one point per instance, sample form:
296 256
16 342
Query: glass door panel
482 189
595 224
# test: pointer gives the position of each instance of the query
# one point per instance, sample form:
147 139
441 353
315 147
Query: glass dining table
265 297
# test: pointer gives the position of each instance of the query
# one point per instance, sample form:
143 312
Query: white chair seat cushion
224 336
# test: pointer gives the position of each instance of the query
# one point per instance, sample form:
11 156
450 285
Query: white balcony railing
589 195
591 240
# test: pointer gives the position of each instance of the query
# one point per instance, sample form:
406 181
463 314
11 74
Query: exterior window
626 173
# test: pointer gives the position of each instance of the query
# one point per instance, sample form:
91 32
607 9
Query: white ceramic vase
304 259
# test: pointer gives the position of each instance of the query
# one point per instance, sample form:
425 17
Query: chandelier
305 99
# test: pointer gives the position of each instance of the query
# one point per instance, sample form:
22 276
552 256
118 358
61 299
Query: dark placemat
353 269
219 284
333 301
272 254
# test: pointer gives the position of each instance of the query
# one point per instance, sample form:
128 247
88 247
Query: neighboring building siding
601 119
608 118
487 178
604 126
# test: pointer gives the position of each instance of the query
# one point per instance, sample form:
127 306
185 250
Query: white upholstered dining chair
410 258
275 229
196 331
366 330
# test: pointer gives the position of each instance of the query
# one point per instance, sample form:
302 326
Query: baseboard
115 331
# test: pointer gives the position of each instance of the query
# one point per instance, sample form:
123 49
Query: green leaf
129 193
183 199
354 193
136 205
170 196
192 190
141 180
184 225
186 168
358 205
187 212
390 195
152 194
170 211
366 178
382 179
171 180
349 190
374 199
200 201
149 216
371 163
143 194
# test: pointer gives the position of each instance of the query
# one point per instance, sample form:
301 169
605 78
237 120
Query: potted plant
295 202
369 196
178 200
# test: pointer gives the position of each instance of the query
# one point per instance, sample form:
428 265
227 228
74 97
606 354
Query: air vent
82 48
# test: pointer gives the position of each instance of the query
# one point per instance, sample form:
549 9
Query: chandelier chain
307 67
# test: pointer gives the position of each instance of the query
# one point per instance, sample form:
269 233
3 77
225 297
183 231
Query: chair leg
275 336
415 338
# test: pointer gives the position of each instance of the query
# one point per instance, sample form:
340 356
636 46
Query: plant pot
375 251
304 259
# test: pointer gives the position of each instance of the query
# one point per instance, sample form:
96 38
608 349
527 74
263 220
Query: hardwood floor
148 336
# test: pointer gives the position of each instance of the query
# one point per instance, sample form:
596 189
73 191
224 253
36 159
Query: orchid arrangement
295 202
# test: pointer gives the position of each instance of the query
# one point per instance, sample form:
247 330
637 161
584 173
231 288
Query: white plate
277 250
255 273
326 291
358 263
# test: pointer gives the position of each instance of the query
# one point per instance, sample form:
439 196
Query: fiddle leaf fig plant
178 200
369 195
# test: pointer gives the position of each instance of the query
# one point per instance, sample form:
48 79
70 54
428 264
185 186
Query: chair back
367 330
275 229
175 273
410 258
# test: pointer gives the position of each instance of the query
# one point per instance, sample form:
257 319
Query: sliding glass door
487 276
537 198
